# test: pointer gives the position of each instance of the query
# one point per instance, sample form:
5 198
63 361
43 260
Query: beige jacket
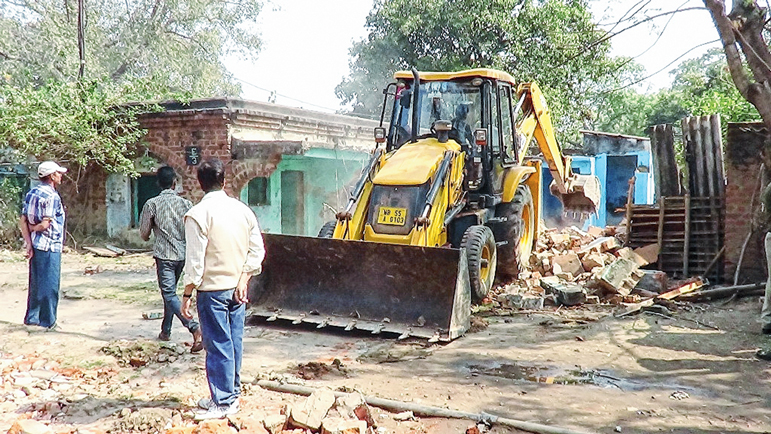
223 240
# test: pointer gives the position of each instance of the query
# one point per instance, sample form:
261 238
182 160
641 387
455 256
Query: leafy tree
174 42
79 123
705 87
553 42
624 111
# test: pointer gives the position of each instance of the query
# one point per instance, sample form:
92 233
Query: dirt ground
575 368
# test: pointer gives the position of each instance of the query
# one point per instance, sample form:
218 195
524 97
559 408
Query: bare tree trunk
742 29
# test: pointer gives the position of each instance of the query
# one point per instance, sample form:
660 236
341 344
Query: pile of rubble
38 396
571 267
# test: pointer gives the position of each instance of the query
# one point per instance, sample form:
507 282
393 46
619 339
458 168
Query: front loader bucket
583 196
381 288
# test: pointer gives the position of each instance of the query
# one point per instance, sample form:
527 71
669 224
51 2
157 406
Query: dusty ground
577 368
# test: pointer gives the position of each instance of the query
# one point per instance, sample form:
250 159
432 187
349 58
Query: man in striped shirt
163 216
42 226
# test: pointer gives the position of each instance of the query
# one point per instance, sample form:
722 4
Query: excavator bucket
583 196
409 291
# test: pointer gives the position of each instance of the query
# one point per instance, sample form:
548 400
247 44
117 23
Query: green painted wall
328 176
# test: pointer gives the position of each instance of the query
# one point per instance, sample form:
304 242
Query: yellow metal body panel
534 182
537 124
414 163
512 179
468 73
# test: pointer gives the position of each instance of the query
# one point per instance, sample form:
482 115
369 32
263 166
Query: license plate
392 216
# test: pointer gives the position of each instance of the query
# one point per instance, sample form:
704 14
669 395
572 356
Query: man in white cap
42 226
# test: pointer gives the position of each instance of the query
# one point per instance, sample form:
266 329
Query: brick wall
83 194
742 164
168 133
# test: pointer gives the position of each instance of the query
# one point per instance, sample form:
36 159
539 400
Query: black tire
517 231
328 229
481 254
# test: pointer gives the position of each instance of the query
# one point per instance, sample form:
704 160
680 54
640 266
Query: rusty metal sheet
380 288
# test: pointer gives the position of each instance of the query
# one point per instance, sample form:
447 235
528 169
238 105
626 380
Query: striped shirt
43 202
163 216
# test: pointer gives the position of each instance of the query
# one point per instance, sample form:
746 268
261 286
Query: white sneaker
207 403
216 411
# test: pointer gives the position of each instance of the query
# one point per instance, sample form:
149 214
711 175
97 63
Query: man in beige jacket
224 248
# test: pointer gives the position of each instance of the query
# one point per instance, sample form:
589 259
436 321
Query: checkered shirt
44 202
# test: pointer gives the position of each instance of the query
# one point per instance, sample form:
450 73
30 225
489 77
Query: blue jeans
168 275
222 325
43 296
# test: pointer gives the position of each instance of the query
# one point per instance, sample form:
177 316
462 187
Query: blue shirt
44 202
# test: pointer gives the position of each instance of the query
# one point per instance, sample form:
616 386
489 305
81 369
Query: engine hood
414 163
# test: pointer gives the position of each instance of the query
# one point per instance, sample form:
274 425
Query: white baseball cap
48 167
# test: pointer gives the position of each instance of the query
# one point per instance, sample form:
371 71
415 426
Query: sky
306 43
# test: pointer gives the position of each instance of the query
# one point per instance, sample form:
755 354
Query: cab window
507 127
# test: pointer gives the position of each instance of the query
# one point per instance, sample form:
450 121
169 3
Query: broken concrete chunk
29 426
629 254
338 425
654 281
592 261
595 231
275 423
620 277
650 252
560 240
566 293
312 411
512 301
531 302
354 406
567 263
601 245
405 415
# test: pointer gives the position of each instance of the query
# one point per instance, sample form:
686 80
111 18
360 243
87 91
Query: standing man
42 226
163 216
224 249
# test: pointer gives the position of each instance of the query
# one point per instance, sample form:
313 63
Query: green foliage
75 123
705 87
10 208
553 42
177 43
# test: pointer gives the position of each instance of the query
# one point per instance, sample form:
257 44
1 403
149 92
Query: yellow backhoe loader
449 199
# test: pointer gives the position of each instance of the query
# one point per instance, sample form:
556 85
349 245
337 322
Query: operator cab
458 102
477 104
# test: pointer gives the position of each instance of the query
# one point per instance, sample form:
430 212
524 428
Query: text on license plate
392 216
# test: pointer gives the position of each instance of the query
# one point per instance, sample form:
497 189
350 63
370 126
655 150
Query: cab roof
446 76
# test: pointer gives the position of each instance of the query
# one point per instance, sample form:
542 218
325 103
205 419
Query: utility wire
662 69
285 96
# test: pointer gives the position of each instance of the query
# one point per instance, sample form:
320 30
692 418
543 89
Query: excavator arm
578 193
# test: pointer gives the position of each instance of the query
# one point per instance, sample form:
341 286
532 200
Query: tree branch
726 31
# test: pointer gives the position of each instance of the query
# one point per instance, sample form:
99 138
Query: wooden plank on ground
101 251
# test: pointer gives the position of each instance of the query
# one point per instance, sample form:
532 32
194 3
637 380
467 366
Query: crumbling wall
744 145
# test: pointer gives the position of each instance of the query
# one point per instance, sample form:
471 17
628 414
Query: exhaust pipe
415 112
